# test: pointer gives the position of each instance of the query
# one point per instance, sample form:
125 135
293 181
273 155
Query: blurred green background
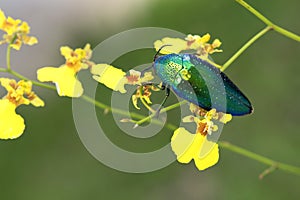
50 162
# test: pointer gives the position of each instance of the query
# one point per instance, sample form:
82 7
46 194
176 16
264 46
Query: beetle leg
161 87
157 85
167 87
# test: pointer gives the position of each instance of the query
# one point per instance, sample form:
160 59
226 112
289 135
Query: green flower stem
146 119
286 33
8 66
246 46
171 107
108 108
268 22
16 74
259 158
8 57
270 26
146 105
122 112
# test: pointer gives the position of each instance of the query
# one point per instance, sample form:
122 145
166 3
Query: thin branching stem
260 158
270 26
171 107
268 22
245 46
8 65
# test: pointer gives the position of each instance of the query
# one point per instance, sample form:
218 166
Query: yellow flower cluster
188 146
67 84
16 32
18 93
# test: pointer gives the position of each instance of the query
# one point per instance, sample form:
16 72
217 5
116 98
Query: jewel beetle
201 83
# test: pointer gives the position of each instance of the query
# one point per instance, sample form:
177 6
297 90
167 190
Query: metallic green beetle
201 83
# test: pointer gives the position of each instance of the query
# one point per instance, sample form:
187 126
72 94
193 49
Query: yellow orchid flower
64 76
18 93
110 76
11 124
187 146
79 58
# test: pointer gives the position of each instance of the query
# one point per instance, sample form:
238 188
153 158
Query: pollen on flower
205 127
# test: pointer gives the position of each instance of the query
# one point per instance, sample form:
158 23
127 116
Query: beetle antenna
154 58
163 46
